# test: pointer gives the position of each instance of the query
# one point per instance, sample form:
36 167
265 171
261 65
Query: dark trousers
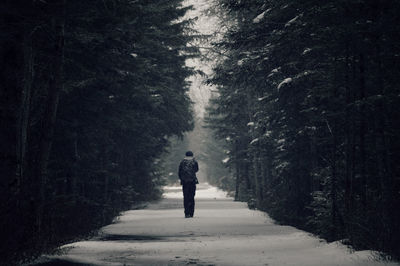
189 190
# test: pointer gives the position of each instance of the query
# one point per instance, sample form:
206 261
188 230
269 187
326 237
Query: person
187 175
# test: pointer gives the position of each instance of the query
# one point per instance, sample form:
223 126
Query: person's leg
186 199
192 194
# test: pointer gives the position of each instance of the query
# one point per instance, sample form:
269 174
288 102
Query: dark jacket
187 170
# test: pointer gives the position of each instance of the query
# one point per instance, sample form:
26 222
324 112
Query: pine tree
309 82
91 94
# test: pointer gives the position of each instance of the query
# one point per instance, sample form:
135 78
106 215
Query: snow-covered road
223 232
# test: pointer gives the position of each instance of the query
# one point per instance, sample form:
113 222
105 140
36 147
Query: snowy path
222 232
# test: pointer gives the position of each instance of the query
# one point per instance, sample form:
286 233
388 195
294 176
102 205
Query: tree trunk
386 184
24 110
49 119
74 175
362 129
237 181
334 158
348 194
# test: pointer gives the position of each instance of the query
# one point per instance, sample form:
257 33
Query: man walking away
187 174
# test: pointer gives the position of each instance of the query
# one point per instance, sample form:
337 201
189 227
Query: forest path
223 232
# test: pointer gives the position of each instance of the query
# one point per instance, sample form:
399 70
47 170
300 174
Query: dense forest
90 92
305 106
308 104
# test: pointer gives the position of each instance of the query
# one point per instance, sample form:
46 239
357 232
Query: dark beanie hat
189 153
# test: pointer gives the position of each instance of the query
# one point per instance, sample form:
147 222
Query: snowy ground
223 232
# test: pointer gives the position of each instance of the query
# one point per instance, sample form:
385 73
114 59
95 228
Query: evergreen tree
316 89
90 95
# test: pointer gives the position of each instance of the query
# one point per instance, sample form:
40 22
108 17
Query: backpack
187 171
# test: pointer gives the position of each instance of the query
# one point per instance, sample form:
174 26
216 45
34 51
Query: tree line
308 103
90 92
